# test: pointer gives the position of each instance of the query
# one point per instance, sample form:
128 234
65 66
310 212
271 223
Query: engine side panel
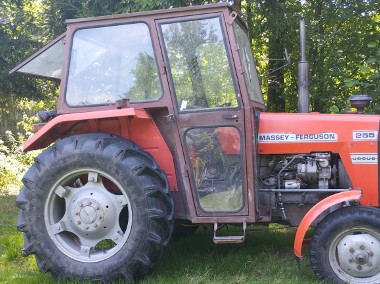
354 138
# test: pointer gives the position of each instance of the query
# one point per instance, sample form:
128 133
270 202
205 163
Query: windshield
246 59
112 63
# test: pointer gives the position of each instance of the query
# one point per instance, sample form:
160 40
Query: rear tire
95 206
345 247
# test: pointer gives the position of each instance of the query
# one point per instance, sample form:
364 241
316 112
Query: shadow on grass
265 257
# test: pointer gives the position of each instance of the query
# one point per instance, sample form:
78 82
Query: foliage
20 35
338 34
13 163
146 82
366 79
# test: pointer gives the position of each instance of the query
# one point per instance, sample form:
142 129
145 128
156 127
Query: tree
272 25
19 36
147 84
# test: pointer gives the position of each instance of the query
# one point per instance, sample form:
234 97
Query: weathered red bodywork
313 213
130 123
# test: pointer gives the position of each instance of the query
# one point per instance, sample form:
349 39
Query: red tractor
161 123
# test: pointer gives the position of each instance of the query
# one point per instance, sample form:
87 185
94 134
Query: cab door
208 112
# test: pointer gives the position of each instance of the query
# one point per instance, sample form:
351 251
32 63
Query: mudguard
60 125
316 210
134 124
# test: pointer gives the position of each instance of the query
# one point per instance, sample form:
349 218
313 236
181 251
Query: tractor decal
363 158
364 135
290 137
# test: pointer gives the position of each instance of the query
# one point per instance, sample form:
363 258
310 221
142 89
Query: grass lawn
265 257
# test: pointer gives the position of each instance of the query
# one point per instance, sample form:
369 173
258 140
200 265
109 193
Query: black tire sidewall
52 169
330 228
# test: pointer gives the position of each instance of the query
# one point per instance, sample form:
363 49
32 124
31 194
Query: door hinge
163 68
231 18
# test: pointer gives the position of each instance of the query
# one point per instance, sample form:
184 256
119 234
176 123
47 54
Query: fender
316 210
62 124
130 123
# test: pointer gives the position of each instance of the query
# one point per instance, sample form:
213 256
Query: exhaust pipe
303 73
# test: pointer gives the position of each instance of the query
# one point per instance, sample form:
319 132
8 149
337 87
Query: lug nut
23 253
351 250
362 247
360 267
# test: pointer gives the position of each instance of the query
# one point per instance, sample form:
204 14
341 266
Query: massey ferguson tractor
161 123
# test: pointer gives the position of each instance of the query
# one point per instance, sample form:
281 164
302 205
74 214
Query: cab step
229 239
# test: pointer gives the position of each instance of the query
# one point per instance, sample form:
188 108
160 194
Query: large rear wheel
95 206
345 247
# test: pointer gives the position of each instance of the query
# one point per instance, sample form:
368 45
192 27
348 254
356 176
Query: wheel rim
355 255
88 215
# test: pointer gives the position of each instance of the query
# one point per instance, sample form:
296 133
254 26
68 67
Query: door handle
229 116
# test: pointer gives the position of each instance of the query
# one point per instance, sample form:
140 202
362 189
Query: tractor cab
192 66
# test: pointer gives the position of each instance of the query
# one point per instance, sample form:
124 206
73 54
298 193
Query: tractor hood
310 132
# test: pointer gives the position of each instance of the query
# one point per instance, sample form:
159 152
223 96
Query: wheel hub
88 214
359 255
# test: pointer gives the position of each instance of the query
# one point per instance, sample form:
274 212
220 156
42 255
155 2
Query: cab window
199 66
112 63
246 59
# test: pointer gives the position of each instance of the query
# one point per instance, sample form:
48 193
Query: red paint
130 123
229 139
316 210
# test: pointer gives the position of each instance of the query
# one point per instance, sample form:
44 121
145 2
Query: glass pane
48 64
216 164
246 58
199 65
111 63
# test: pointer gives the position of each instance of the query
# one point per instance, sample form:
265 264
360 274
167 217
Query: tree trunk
276 95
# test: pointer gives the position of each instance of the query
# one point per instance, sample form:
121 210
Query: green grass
265 257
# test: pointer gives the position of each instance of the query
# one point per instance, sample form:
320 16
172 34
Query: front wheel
345 247
95 206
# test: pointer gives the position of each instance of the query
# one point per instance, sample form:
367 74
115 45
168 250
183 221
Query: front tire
345 247
95 206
